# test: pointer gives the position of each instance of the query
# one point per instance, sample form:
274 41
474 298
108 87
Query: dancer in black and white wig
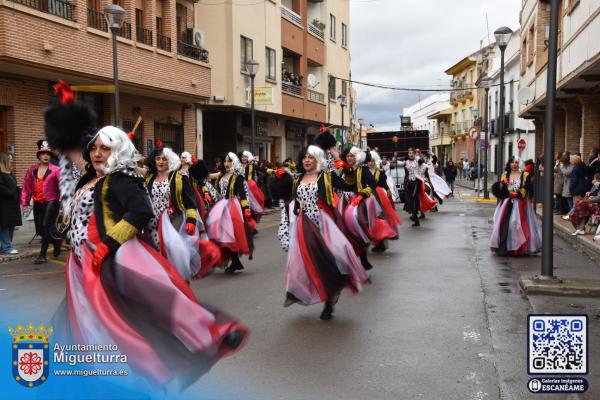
256 197
383 195
321 261
361 220
175 228
230 222
417 200
186 160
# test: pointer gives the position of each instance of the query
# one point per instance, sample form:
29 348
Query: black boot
365 262
41 259
233 339
416 223
327 312
422 216
236 265
380 248
57 249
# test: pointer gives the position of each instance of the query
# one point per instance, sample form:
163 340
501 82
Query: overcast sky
410 43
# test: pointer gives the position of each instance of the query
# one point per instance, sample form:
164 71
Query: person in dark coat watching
450 173
593 166
578 185
9 204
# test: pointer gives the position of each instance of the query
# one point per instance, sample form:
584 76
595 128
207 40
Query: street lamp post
342 99
115 16
547 216
360 123
502 35
485 82
252 69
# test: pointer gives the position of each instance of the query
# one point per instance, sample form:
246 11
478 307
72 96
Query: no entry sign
521 144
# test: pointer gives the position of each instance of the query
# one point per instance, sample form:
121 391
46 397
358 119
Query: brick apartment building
162 76
577 123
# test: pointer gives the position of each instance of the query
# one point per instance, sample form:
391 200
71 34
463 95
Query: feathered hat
69 122
199 170
325 139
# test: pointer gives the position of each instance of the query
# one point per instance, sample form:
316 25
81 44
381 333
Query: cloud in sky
410 43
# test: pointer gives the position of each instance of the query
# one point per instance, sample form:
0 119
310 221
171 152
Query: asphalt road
442 319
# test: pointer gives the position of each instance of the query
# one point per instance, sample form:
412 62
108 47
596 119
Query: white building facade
420 111
515 129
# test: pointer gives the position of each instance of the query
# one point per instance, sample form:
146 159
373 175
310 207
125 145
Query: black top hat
43 147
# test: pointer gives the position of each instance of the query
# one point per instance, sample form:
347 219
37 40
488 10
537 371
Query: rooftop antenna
487 23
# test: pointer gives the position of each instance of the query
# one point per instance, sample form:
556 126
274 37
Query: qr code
557 344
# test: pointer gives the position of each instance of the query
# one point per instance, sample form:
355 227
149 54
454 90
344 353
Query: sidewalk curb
582 243
565 287
21 256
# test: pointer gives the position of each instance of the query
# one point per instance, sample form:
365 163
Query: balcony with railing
96 20
143 35
316 30
291 88
192 51
125 31
58 8
315 96
291 15
163 42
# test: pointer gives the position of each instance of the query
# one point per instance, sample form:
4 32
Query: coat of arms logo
30 354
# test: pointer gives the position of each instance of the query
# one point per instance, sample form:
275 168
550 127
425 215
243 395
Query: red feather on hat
194 159
131 135
64 92
159 143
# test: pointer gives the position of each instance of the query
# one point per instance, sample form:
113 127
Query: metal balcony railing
291 15
163 42
290 88
125 31
315 30
143 35
191 51
59 8
96 20
315 96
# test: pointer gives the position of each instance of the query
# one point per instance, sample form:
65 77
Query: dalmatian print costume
307 194
161 193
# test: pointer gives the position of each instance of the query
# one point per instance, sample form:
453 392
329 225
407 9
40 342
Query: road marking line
32 274
57 262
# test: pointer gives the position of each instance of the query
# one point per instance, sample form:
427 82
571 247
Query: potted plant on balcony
317 23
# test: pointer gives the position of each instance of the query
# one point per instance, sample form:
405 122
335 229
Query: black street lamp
115 16
342 99
502 35
360 140
252 69
547 215
485 82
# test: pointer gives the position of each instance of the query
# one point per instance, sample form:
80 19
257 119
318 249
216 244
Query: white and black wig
249 155
187 157
172 159
123 155
375 157
314 151
360 156
236 164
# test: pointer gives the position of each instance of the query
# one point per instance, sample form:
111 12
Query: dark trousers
413 202
44 216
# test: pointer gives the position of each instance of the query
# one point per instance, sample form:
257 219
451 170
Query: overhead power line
406 89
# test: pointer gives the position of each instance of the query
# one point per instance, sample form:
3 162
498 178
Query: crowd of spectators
290 77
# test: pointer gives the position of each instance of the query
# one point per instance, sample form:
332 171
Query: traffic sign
483 144
474 132
521 144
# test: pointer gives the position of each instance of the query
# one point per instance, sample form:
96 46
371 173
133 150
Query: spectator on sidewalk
9 203
566 168
594 165
578 185
465 169
459 167
586 207
559 181
41 185
450 172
